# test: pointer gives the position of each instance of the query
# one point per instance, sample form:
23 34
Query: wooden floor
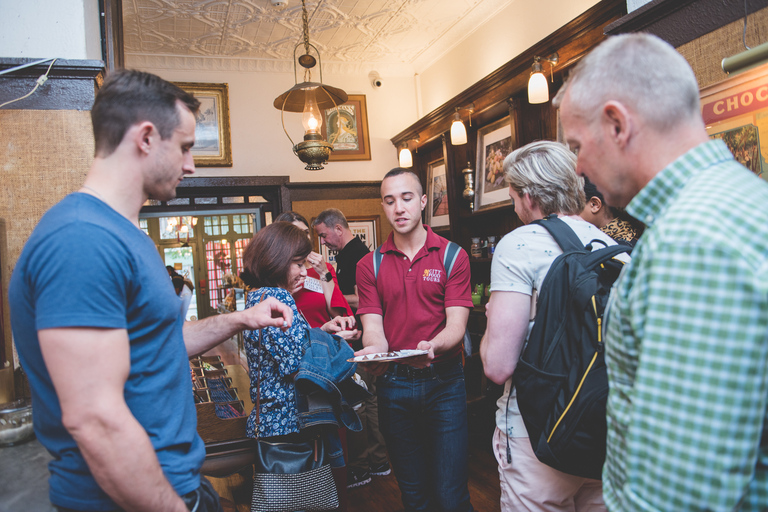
382 494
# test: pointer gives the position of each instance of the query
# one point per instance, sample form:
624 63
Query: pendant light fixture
309 98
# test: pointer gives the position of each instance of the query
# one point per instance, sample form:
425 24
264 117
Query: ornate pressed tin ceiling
401 36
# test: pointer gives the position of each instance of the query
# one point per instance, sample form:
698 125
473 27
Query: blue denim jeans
423 417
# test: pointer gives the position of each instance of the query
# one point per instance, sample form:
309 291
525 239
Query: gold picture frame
213 147
346 128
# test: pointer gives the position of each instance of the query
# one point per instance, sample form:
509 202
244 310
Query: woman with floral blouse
274 267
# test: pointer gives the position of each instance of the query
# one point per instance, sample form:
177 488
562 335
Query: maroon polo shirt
411 296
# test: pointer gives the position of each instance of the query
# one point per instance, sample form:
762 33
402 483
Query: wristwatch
327 277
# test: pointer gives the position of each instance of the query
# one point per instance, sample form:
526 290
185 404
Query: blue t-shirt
85 265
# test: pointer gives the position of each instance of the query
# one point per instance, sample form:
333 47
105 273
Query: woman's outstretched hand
343 326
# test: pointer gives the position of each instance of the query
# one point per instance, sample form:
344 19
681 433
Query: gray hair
546 171
642 72
331 217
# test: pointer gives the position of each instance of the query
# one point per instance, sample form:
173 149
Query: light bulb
458 131
311 118
538 88
405 158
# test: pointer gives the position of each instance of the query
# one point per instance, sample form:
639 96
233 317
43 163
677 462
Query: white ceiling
398 36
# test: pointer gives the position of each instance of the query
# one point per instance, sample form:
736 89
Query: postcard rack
221 414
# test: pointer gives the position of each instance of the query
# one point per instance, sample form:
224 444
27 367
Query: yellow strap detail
599 321
574 397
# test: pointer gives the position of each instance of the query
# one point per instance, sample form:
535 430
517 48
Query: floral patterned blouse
276 359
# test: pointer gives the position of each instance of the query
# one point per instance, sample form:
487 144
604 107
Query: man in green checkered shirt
687 325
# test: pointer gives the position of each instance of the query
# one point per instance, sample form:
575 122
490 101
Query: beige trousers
529 485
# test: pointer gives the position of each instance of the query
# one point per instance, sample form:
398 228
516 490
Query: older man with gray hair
687 327
333 229
542 181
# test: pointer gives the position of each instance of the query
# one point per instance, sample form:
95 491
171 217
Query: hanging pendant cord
305 21
744 34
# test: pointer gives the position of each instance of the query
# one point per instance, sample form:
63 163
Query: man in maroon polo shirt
412 304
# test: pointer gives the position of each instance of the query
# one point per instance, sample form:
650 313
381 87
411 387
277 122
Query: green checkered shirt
687 344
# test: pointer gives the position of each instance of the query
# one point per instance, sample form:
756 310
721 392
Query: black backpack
561 380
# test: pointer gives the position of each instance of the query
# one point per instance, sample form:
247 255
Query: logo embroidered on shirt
432 275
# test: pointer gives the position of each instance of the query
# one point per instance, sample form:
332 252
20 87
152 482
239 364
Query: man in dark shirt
334 233
367 452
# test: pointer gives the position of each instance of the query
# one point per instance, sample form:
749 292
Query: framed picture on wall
494 143
367 228
346 128
437 195
213 146
736 111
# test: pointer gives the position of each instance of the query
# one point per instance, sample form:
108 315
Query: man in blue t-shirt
99 328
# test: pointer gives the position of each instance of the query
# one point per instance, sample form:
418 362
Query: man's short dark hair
590 191
331 217
397 171
129 97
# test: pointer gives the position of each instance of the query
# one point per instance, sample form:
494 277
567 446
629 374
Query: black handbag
291 473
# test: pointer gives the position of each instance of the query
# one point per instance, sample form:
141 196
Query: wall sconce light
458 131
405 159
538 88
469 186
404 156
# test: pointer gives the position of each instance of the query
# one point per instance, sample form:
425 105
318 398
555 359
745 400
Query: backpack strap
449 258
599 256
378 255
565 237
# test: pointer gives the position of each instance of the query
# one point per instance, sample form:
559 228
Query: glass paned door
183 261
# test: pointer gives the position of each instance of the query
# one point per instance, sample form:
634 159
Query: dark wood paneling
112 33
272 188
71 84
501 93
682 21
234 181
304 191
572 42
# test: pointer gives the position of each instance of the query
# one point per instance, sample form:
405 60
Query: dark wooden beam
111 17
234 181
301 191
681 21
71 84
